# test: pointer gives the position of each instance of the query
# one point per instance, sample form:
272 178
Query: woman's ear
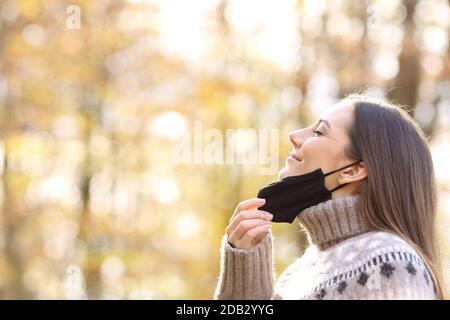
354 173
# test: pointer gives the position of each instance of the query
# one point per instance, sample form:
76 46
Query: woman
374 239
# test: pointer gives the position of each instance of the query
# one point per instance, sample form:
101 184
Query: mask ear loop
338 187
344 184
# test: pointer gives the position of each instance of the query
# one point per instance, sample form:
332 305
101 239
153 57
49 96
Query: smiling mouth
294 156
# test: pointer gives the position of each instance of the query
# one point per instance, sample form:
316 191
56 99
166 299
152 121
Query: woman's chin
284 172
287 172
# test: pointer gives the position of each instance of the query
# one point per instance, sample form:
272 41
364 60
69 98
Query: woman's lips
294 156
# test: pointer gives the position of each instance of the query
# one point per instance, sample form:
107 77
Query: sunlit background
93 205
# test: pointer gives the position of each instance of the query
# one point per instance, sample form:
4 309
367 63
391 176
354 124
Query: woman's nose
296 138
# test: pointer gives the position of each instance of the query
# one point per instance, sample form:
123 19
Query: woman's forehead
340 115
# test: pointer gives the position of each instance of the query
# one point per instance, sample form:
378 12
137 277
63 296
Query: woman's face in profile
320 145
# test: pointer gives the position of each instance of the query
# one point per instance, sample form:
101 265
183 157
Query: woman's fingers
244 227
245 215
253 236
260 236
248 226
248 204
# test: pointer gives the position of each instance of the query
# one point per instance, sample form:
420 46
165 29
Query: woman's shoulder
361 247
367 249
370 241
376 260
370 250
372 265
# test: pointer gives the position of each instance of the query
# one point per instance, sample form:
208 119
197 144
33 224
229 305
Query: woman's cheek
308 150
315 154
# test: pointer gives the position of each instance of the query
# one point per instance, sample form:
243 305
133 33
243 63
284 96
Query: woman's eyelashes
318 133
319 130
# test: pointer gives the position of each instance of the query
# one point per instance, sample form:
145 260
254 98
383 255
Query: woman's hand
248 226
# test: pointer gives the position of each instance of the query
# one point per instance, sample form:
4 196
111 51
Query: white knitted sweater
345 260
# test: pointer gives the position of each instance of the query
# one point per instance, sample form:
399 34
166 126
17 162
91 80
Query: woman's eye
317 132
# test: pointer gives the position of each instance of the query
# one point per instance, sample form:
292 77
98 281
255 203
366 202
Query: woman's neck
333 221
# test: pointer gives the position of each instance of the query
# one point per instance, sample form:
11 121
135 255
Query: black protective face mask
286 198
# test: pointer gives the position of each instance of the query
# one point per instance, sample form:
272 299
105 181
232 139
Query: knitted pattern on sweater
345 260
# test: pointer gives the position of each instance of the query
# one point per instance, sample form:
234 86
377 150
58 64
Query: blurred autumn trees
93 204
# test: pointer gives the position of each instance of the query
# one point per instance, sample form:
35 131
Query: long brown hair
399 193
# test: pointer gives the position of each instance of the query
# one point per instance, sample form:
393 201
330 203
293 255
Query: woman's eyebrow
325 121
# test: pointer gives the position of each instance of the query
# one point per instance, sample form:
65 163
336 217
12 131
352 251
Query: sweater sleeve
246 274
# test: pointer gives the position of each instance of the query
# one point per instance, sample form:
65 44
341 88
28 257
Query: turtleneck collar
333 221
